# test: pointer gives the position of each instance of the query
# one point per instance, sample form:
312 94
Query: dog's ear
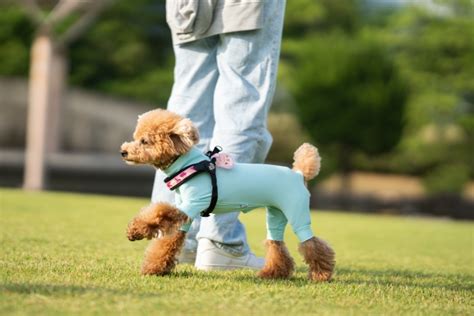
184 135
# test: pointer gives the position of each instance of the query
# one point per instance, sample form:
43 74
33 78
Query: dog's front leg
154 218
161 254
164 221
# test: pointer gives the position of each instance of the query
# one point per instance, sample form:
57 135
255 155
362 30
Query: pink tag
223 160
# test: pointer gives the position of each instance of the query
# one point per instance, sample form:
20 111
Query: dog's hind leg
320 257
161 254
316 252
278 262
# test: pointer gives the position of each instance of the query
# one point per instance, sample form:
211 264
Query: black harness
208 166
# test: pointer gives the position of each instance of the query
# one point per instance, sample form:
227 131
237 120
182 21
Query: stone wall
89 121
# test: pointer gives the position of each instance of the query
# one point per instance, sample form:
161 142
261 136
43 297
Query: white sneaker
209 257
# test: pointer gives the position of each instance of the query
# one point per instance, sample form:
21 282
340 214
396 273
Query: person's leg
195 76
247 64
192 96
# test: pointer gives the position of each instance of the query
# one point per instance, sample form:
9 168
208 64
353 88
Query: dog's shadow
299 279
343 276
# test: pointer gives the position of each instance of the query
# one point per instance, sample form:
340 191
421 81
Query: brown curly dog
161 138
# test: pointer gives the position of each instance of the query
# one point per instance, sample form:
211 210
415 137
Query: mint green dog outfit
245 187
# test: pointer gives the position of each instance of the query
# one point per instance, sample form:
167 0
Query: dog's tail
307 161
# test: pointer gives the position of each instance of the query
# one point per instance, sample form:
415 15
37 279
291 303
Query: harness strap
214 196
178 178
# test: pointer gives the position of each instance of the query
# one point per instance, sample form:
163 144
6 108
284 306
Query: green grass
67 254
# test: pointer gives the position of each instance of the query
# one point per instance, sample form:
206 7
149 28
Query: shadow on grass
64 290
245 276
346 276
403 278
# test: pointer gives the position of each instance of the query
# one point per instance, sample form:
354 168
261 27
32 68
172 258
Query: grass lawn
67 254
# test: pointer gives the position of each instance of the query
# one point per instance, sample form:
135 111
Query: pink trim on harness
181 177
222 161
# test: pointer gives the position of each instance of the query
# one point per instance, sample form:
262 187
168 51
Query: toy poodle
212 182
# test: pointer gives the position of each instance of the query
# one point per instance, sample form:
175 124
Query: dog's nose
124 153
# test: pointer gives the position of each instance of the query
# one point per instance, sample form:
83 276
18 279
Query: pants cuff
304 233
277 235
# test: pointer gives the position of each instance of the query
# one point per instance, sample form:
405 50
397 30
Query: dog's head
159 138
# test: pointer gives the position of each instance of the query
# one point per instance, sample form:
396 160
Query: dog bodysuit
245 187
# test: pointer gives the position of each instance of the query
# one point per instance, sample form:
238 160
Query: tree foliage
352 84
435 53
348 91
15 39
357 97
128 53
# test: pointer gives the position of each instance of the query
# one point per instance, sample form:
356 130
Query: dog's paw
275 273
158 268
150 269
134 234
138 229
320 276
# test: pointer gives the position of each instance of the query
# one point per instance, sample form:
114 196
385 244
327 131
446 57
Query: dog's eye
143 141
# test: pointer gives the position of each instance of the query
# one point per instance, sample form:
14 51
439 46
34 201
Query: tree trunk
39 103
48 74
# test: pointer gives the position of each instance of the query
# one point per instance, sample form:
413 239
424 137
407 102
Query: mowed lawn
67 254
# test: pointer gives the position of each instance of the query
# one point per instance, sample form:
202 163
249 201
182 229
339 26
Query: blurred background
384 88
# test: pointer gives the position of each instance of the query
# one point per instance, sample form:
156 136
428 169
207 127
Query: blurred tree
428 47
434 51
303 17
127 52
132 55
349 94
16 33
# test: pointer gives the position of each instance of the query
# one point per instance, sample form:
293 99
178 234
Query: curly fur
155 219
307 161
278 262
159 139
320 257
161 254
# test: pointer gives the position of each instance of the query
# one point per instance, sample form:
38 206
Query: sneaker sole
224 267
